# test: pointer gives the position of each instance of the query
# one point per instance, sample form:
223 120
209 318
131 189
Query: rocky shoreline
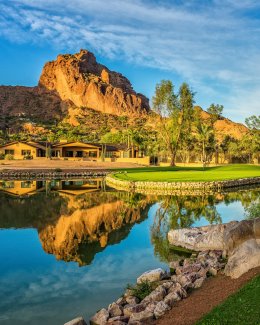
170 188
231 248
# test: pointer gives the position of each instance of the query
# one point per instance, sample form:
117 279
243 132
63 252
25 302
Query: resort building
73 150
24 150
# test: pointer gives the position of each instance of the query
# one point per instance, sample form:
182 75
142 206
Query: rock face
81 80
240 241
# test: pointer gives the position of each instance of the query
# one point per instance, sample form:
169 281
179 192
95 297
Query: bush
28 157
58 170
2 156
143 289
9 157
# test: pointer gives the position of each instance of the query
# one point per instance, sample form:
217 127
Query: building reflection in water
75 219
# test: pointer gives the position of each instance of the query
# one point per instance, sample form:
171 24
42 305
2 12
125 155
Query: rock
115 310
100 318
171 298
76 321
191 268
167 285
134 322
198 283
212 271
82 81
174 265
130 309
177 288
119 320
132 300
157 295
160 309
143 316
237 240
128 293
152 276
151 306
121 301
202 238
243 258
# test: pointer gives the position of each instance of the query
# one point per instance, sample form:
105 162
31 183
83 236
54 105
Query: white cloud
214 46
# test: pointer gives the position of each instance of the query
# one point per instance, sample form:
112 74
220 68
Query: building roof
33 144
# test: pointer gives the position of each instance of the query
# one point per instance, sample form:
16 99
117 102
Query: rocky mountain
68 84
77 90
223 126
81 80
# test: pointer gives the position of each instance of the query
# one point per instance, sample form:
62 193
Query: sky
213 45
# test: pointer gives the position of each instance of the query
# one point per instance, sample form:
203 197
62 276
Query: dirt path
62 164
201 301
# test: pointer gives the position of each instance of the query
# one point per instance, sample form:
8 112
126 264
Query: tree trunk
173 159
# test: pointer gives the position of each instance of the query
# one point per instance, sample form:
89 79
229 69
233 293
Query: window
69 154
9 152
26 152
92 154
79 154
8 184
26 184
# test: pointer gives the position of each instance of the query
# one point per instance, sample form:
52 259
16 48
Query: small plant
9 157
58 170
141 290
27 157
2 156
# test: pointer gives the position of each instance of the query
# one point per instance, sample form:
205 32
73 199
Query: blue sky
212 45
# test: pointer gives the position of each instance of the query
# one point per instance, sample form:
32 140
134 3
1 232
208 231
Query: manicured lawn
242 308
192 174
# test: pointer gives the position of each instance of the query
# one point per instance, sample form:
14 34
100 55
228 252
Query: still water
69 248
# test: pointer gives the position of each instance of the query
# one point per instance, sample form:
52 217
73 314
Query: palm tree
204 133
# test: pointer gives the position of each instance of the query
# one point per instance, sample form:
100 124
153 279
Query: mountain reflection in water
115 235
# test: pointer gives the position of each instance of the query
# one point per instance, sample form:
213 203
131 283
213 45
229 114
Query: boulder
115 310
130 309
156 295
132 300
198 283
119 320
199 239
76 321
160 309
243 258
143 316
152 276
100 318
171 298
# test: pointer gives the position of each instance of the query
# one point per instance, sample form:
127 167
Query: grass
189 174
141 290
242 308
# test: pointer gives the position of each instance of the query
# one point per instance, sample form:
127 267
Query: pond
69 248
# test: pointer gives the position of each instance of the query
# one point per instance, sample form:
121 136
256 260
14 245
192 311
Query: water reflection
71 225
175 212
113 235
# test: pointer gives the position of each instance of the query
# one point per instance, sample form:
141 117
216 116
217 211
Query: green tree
175 113
204 134
216 112
253 122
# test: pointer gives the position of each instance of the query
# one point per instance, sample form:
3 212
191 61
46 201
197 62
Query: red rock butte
80 79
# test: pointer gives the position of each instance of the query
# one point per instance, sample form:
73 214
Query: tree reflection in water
176 212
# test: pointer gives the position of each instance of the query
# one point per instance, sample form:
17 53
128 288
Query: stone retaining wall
50 174
173 187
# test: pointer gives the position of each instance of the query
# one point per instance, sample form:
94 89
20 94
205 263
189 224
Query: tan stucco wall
18 147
